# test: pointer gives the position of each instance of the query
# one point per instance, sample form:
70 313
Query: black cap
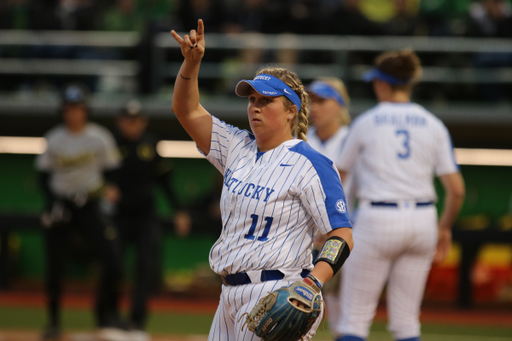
132 109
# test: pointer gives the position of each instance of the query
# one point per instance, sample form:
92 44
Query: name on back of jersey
401 120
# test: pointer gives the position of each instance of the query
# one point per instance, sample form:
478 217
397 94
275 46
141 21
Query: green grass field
33 319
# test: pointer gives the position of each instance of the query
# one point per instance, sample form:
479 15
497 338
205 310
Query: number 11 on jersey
264 236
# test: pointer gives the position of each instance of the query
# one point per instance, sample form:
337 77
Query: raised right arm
185 100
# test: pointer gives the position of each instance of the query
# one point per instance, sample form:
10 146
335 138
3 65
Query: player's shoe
112 334
51 333
138 335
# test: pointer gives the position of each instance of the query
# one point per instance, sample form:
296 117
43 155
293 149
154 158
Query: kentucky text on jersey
411 120
248 189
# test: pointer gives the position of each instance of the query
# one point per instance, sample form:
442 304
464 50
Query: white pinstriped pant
237 300
394 245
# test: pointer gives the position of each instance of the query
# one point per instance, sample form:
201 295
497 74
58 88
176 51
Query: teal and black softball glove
276 318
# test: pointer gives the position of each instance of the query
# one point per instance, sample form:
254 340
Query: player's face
132 127
75 116
268 116
381 89
325 112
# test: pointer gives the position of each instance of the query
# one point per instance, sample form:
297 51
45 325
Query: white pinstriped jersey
399 147
332 146
271 202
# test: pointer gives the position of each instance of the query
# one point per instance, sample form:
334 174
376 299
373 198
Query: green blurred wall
489 191
192 179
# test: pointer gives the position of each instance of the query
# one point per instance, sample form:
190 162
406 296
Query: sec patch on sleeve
341 206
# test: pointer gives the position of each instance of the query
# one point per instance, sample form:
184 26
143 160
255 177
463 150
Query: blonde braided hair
299 123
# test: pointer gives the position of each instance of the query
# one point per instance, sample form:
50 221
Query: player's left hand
275 317
111 193
444 244
182 223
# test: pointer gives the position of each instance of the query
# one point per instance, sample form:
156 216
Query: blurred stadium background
122 50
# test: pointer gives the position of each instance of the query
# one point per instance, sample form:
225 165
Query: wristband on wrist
334 252
316 281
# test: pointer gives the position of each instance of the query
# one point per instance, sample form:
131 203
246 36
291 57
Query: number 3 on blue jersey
264 236
405 154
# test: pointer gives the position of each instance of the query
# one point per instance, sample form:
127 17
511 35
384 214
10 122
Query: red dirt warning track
439 314
85 301
31 336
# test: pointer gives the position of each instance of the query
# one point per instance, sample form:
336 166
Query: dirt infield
433 313
33 336
84 301
486 316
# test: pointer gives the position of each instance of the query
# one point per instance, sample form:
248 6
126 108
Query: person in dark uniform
134 206
73 171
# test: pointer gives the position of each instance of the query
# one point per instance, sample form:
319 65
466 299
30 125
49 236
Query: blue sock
417 338
350 338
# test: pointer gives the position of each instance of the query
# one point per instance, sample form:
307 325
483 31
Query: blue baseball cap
74 94
268 85
324 90
377 74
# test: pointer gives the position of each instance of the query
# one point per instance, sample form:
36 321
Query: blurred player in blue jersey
398 147
278 191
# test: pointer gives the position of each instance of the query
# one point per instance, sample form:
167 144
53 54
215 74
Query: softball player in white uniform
399 147
277 190
330 119
330 147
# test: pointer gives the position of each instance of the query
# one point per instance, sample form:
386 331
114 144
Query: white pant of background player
395 244
235 301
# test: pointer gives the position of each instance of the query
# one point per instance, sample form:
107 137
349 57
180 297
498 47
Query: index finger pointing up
200 27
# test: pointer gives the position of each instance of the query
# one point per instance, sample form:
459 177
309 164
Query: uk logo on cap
268 85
